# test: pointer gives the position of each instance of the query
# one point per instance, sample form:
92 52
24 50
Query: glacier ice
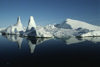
31 23
81 28
66 29
75 24
33 30
15 29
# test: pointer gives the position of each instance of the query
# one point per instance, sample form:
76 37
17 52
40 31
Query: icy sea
22 51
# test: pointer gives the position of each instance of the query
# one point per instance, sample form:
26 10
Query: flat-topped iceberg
75 24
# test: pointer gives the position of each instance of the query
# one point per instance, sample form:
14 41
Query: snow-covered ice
66 29
31 23
15 29
36 31
75 24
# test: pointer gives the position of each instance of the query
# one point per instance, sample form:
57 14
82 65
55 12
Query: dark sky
49 11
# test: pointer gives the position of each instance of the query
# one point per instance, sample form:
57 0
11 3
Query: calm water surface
15 50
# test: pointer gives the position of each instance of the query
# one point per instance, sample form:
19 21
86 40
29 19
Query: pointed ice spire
19 22
31 23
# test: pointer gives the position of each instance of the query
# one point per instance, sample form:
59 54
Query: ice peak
31 23
31 17
18 19
19 22
68 19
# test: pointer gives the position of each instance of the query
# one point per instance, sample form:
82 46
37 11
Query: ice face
31 23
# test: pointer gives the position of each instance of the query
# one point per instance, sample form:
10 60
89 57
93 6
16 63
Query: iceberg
75 24
15 29
66 29
31 23
81 28
33 30
59 32
63 25
41 32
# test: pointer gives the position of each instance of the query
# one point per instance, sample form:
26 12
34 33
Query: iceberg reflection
32 41
74 40
15 38
92 39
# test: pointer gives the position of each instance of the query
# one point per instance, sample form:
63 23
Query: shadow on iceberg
30 33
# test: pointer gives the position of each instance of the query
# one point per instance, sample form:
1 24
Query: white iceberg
59 32
33 30
15 29
80 27
31 23
66 29
75 24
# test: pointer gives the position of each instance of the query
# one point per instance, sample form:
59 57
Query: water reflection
92 39
74 40
48 50
31 41
14 38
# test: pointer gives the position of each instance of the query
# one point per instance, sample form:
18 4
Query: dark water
18 51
